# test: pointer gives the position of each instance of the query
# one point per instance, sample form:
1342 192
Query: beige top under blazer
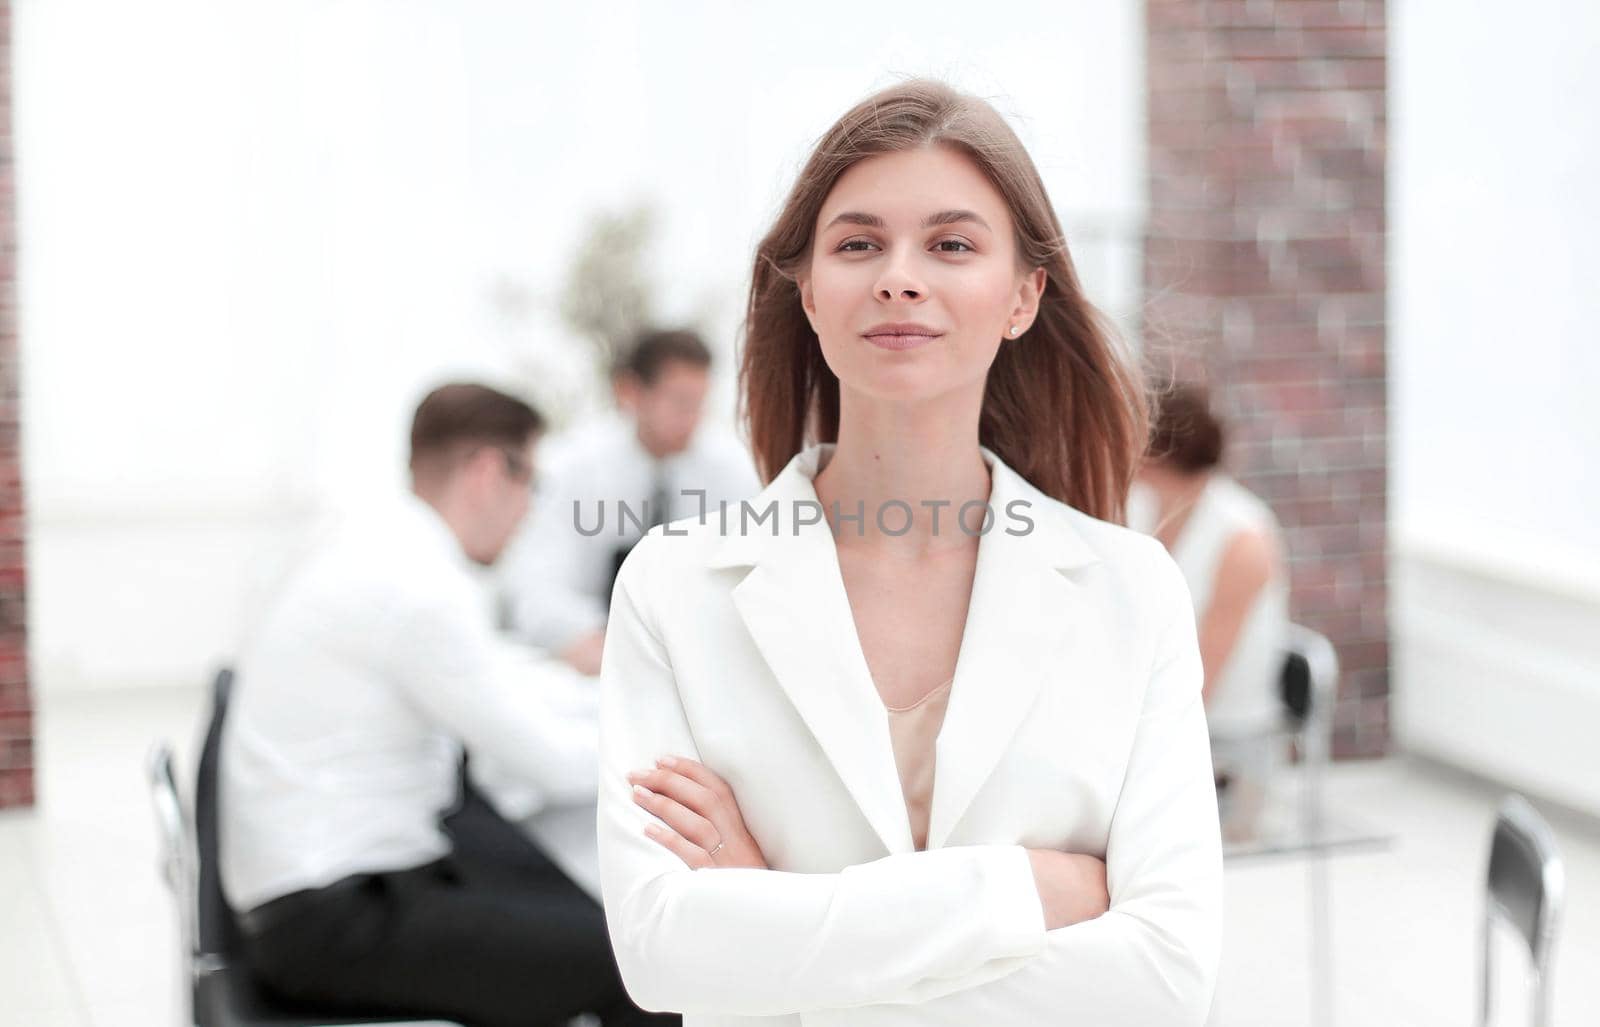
1074 722
913 734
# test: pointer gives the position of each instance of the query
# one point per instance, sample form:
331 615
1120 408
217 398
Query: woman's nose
898 282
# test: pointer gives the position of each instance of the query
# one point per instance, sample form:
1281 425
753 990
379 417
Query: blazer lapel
794 605
1019 633
1020 625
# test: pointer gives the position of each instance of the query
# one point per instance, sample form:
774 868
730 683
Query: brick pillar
16 707
1264 272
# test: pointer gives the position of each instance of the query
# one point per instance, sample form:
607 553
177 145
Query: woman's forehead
910 187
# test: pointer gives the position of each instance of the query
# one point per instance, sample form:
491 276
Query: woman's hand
1072 886
703 825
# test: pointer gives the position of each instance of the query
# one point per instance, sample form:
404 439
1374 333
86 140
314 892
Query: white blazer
1074 723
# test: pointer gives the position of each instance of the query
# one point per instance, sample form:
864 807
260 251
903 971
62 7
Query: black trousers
493 935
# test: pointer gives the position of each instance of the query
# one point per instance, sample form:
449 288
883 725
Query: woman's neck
893 456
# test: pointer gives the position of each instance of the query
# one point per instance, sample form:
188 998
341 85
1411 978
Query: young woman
915 736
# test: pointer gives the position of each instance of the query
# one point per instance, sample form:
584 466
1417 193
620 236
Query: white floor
89 932
88 935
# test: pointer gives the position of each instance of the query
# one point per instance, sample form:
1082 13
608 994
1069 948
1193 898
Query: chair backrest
1310 676
177 863
1294 686
1526 884
235 998
217 933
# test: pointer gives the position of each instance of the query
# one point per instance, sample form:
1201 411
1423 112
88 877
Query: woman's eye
952 246
854 246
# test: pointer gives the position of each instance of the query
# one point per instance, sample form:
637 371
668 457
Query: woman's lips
898 340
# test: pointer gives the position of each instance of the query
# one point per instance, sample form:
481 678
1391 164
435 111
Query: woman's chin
904 386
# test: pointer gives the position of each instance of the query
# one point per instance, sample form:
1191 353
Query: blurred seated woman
1229 547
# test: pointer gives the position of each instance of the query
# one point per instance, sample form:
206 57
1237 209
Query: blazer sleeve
765 942
1153 958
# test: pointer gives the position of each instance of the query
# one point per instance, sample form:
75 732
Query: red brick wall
1264 272
16 708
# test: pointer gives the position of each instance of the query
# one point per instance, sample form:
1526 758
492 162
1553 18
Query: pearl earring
1015 330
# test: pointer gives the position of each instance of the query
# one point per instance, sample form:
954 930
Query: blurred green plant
608 298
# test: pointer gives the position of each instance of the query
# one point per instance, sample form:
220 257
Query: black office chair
1525 886
1308 684
222 991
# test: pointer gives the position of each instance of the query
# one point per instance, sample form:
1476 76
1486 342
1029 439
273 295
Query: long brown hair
1063 405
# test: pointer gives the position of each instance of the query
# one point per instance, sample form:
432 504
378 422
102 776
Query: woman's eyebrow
944 217
854 217
951 217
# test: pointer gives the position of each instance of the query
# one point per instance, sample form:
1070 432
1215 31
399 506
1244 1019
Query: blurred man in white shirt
377 666
606 484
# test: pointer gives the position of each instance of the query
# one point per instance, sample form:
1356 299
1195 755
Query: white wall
252 234
1495 251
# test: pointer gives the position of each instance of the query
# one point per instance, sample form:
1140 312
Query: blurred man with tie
608 483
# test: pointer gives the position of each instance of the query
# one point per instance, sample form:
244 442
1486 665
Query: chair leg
1313 757
1321 941
1541 997
1486 963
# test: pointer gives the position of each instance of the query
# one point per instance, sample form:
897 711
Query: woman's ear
806 304
1029 292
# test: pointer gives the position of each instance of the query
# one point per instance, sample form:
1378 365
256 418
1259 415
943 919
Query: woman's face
914 282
